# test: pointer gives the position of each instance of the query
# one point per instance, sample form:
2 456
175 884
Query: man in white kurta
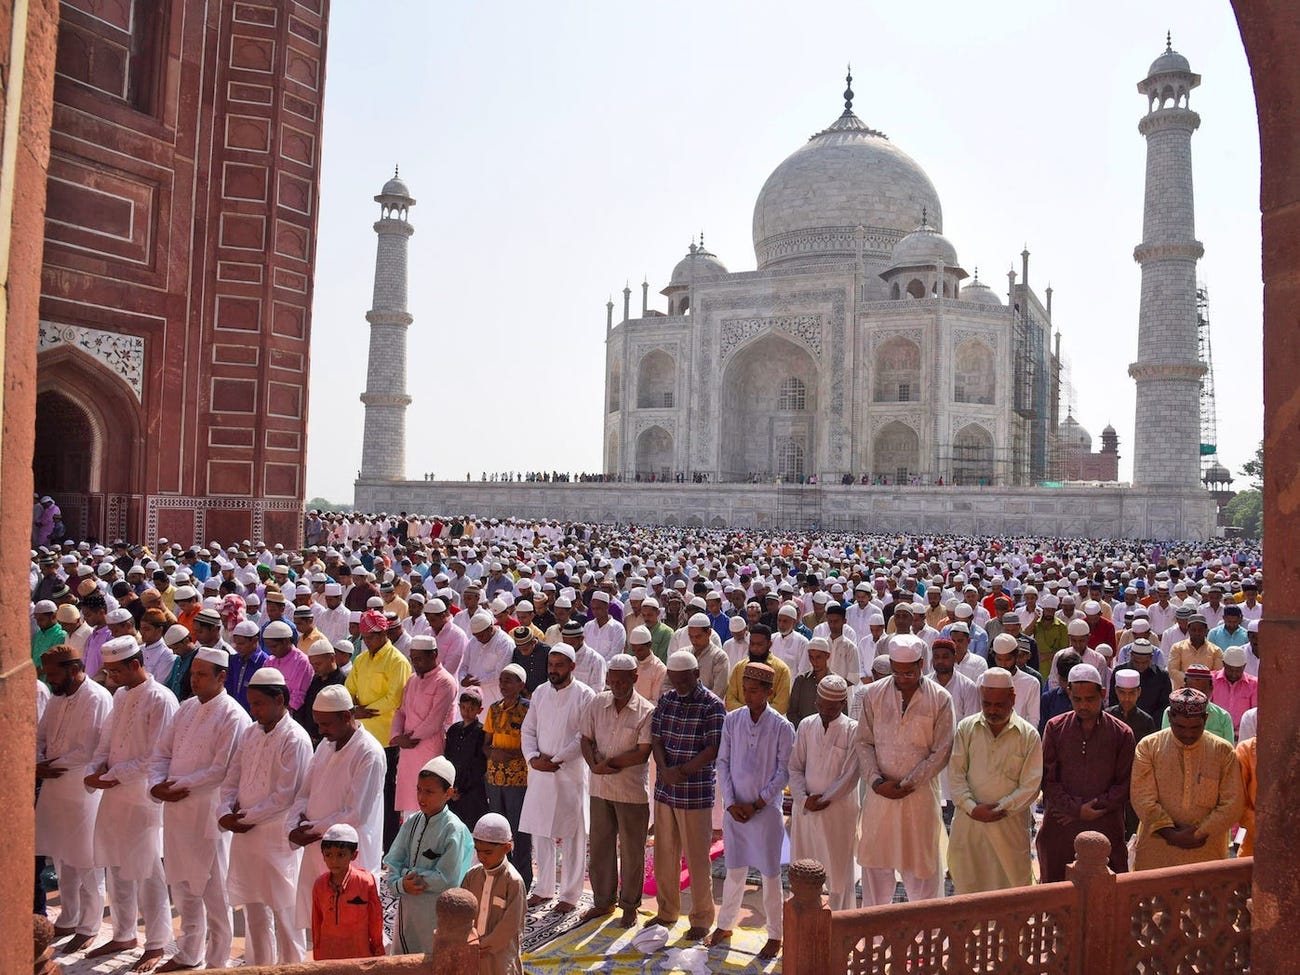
996 770
903 741
556 808
824 787
753 769
344 784
603 633
189 763
67 736
490 649
788 644
128 823
263 779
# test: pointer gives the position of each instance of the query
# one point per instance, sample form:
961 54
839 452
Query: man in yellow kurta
1186 789
994 774
1247 756
1196 649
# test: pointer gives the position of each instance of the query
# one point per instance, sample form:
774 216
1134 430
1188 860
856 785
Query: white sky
558 150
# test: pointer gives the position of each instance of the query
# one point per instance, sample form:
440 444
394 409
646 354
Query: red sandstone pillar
807 946
1270 30
27 37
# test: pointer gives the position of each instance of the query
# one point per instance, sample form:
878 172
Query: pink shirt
1236 698
297 675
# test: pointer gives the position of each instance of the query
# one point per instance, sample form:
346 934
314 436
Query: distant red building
1079 463
177 278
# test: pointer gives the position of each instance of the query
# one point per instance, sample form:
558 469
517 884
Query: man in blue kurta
753 769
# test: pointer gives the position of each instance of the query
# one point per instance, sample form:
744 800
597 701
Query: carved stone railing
1192 918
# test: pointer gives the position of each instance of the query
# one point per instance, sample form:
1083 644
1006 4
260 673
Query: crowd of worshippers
282 732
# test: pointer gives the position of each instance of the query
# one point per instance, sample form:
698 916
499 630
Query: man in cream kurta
128 823
903 741
824 787
344 784
66 739
555 807
188 765
995 772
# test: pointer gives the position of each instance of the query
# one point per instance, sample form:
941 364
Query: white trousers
733 892
270 935
147 898
81 894
206 930
878 886
574 852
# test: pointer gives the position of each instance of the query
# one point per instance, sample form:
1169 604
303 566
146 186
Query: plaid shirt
687 726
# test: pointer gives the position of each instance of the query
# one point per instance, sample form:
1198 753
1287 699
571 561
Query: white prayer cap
906 649
639 634
563 603
278 630
341 833
1078 628
186 592
1234 657
964 611
524 606
958 628
1084 672
1252 626
498 606
599 596
700 620
375 602
1004 643
323 648
435 606
650 603
880 665
353 617
788 610
342 646
47 606
333 698
267 677
119 615
119 648
1105 649
333 589
493 828
833 687
878 619
997 677
1129 679
1091 607
416 597
737 624
682 660
215 656
246 628
441 767
564 650
819 643
821 597
515 671
252 599
1049 602
622 661
175 634
480 622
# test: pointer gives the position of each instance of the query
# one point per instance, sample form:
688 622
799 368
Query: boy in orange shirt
347 919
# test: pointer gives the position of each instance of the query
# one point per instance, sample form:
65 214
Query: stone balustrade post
455 946
1098 927
43 962
807 946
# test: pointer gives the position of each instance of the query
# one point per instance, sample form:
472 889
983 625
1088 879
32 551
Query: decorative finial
1169 41
701 240
976 279
848 91
394 170
925 217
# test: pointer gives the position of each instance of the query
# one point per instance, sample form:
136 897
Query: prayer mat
651 888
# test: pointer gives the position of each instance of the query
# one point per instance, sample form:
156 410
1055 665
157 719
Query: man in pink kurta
420 724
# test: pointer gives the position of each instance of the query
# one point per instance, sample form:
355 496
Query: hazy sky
558 150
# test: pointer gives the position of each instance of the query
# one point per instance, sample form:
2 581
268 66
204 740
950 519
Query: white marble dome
1169 62
980 293
395 187
845 177
698 265
924 247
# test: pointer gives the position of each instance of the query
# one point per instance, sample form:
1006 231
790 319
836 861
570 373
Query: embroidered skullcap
997 677
441 767
493 828
335 697
699 620
1005 643
267 677
907 649
215 656
341 833
176 633
759 672
1188 703
833 687
682 660
1129 679
1084 673
622 661
435 605
736 625
119 615
1079 628
1199 670
480 621
1141 646
880 665
119 648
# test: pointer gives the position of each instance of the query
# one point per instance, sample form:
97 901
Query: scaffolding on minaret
1209 414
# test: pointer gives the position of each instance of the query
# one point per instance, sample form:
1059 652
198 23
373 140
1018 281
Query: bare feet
76 944
63 932
148 961
695 934
537 900
657 921
564 907
771 949
718 936
172 965
112 948
595 913
717 835
627 918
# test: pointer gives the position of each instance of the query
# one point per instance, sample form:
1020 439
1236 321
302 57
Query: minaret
383 446
1168 370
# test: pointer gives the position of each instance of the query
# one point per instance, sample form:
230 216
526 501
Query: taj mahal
861 374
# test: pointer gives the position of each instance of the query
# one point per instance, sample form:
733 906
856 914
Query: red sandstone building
175 306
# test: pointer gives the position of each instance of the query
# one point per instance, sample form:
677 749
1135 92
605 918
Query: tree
1254 469
1246 511
321 505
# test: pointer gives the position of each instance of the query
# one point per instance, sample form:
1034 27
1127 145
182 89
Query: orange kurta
1246 756
347 923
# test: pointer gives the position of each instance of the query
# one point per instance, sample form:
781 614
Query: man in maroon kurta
1087 762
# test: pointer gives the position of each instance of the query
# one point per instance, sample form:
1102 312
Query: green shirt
661 634
1051 637
43 640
